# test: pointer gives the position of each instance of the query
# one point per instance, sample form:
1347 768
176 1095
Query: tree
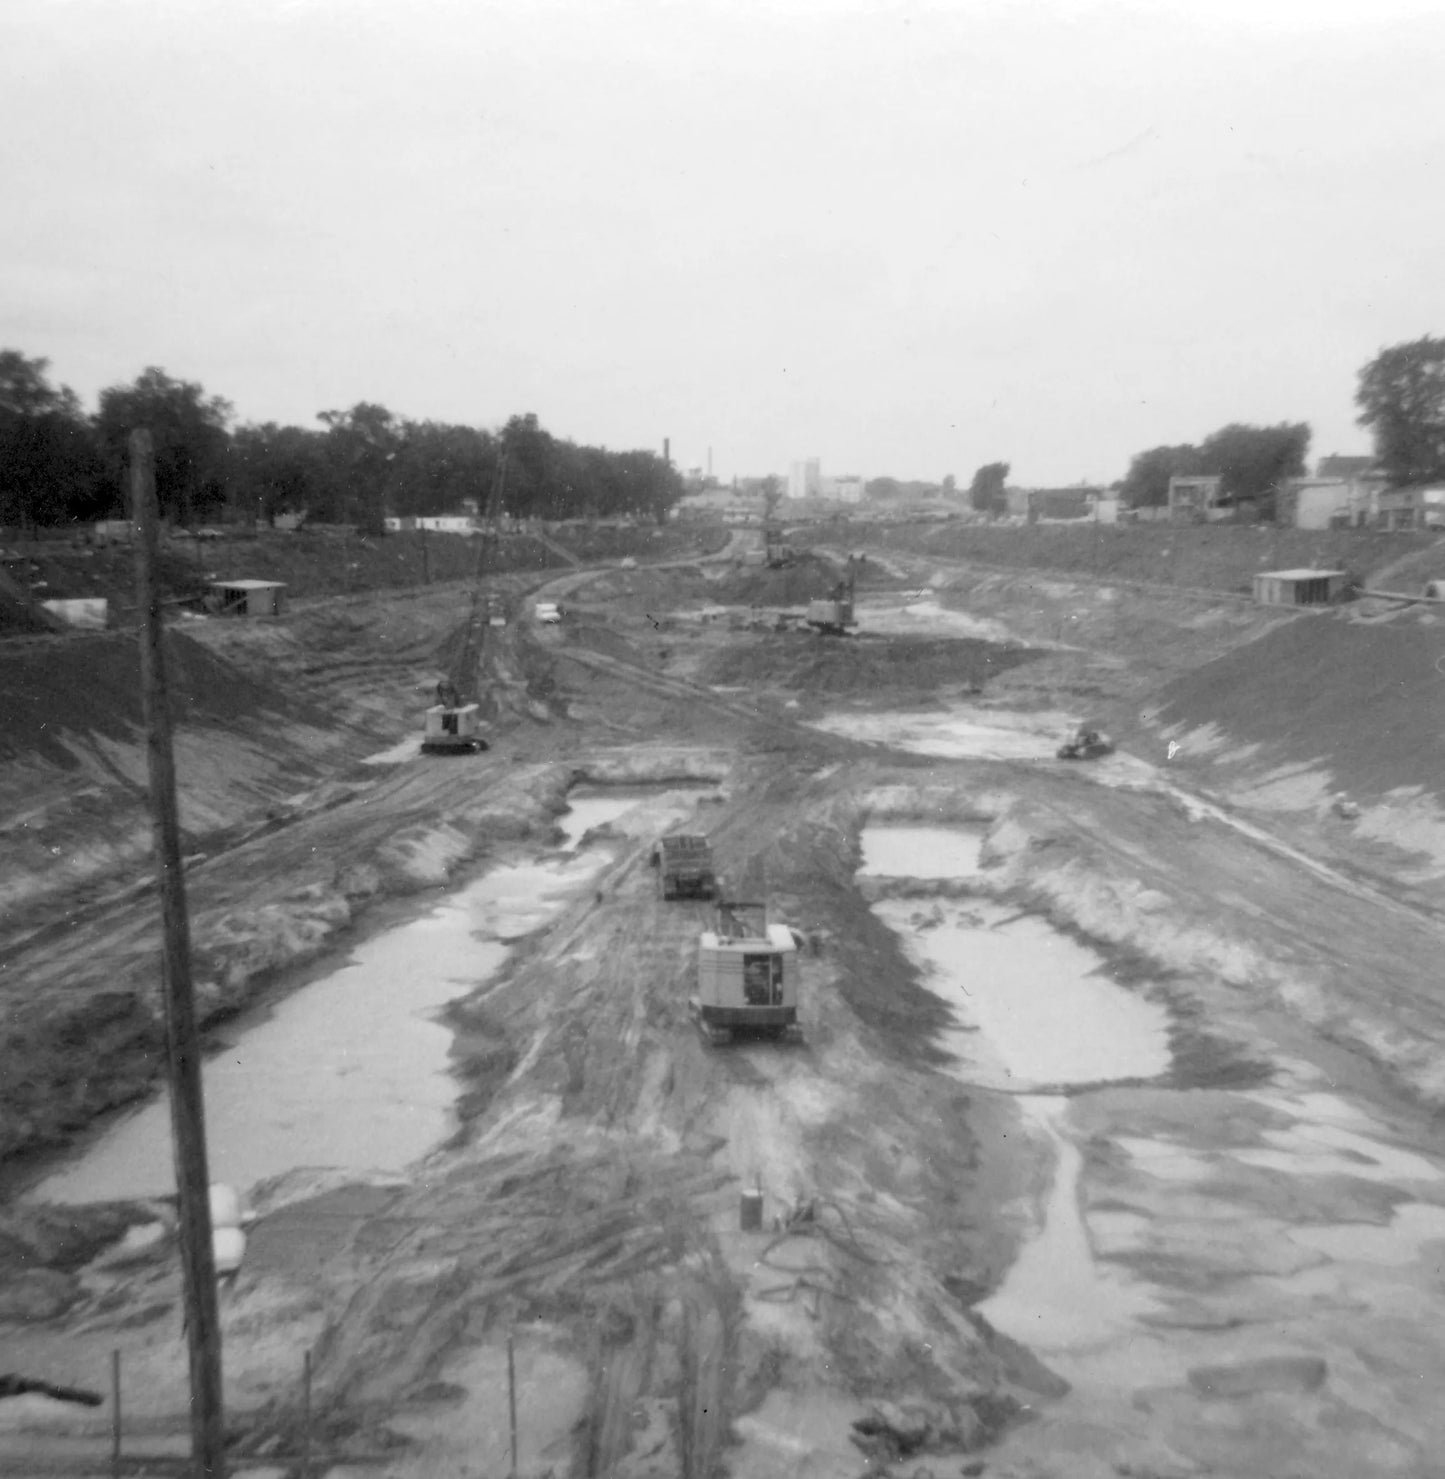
1253 462
52 470
1147 482
360 447
950 487
1401 397
438 465
986 492
276 469
188 429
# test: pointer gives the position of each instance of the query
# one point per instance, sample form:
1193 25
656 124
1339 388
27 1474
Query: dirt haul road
1170 1208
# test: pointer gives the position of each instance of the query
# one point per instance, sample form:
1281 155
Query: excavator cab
453 730
747 977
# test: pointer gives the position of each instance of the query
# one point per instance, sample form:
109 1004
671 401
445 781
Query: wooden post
115 1414
512 1400
183 1048
306 1417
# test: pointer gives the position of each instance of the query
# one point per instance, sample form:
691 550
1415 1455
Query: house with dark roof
1338 465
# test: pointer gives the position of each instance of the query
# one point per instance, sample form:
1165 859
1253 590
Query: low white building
805 479
846 489
1332 503
433 523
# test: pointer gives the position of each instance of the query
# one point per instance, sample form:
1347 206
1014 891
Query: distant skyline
907 239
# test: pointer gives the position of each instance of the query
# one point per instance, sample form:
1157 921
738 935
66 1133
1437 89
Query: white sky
905 238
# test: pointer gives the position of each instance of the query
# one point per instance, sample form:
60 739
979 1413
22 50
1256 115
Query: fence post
115 1414
306 1416
512 1400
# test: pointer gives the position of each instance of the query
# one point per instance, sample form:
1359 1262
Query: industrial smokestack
667 450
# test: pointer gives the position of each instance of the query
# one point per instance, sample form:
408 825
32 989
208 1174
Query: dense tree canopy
49 462
986 492
191 441
1251 462
1146 484
58 465
1401 397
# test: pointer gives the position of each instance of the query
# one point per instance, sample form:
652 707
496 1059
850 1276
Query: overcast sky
904 238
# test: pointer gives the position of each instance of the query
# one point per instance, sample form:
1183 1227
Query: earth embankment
1215 557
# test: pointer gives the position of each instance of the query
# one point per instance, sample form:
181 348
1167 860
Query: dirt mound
808 663
1366 702
811 579
63 685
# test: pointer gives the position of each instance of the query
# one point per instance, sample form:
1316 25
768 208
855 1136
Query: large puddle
956 734
908 851
1034 1009
350 1071
1056 1298
925 616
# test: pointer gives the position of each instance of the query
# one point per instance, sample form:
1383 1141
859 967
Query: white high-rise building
805 479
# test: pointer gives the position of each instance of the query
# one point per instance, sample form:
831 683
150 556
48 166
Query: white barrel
228 1246
225 1206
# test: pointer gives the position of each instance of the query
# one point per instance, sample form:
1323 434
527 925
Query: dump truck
685 868
747 977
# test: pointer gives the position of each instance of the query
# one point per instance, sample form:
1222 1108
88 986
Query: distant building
433 524
805 479
1197 500
1334 502
1411 508
1338 466
1062 505
846 489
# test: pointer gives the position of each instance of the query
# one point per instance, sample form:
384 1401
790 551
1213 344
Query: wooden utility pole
183 1046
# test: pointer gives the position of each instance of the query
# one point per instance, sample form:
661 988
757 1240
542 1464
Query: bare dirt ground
1229 1267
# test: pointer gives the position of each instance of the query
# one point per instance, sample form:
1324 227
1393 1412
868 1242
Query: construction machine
453 725
834 616
1085 744
747 977
777 554
685 867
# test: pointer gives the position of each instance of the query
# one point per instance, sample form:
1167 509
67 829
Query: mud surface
1195 1231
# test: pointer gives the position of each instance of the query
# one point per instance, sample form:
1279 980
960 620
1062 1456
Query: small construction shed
246 597
1299 587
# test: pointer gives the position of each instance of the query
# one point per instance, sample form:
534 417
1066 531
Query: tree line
60 466
1401 400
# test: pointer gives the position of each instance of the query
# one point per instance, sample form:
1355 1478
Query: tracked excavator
834 616
453 724
747 977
